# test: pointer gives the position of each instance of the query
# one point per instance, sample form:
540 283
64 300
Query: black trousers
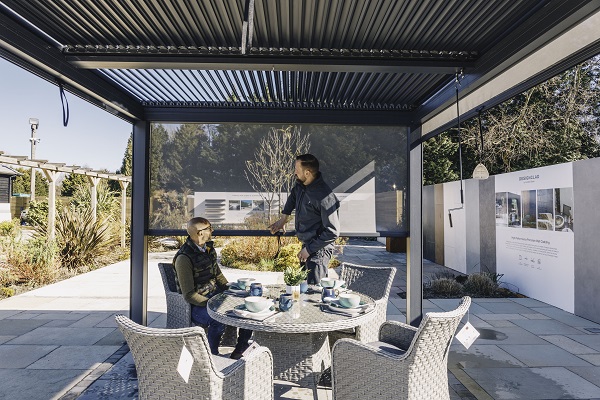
317 264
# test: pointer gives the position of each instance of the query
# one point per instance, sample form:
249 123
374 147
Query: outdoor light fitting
480 171
34 122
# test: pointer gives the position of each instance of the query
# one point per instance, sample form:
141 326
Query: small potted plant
293 276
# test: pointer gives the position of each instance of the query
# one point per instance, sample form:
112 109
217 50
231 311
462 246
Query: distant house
6 177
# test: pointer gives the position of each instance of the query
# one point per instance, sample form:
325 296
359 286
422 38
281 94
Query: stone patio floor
61 341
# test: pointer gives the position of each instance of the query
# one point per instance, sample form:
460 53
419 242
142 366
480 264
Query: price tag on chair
467 335
184 366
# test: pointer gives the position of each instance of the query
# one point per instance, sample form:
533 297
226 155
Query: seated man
199 277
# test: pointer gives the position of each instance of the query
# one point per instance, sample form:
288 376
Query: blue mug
286 302
327 292
303 287
256 289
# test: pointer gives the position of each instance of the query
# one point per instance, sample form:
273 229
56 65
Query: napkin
236 292
349 312
261 316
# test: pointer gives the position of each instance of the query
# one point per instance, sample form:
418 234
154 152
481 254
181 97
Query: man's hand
279 225
303 255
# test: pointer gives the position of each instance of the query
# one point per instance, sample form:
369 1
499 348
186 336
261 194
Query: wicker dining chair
406 362
156 354
179 311
375 282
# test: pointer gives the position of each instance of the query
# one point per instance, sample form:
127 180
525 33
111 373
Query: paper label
184 366
467 335
250 349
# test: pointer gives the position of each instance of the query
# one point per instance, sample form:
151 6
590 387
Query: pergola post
94 194
414 248
123 185
51 176
138 306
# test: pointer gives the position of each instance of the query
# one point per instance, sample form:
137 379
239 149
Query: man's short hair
197 220
309 162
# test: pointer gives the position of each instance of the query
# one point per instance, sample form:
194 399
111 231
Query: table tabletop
304 317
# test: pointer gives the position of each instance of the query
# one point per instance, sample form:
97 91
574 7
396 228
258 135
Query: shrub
248 250
446 287
288 257
37 214
6 292
34 261
334 263
480 285
81 240
10 228
170 210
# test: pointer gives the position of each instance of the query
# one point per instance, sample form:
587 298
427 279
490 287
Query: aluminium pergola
384 62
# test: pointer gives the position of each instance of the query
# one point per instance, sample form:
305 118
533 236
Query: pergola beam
269 63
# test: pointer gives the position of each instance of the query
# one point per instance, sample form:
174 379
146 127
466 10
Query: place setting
244 287
347 304
255 307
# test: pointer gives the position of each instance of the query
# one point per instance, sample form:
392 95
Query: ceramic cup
242 283
303 287
285 302
256 289
349 300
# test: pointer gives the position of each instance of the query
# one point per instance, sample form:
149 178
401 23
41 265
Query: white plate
242 311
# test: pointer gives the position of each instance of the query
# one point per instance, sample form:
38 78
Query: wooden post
94 181
51 176
123 185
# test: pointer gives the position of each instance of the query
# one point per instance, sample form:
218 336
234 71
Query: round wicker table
297 338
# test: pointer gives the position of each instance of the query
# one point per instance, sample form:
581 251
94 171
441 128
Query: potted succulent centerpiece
293 276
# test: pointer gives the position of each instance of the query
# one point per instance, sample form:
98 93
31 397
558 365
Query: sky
93 138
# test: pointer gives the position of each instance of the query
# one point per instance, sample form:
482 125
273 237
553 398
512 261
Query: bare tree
272 170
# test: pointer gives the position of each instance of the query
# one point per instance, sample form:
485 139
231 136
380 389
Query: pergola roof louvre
383 55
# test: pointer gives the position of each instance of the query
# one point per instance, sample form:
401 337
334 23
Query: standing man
199 277
317 217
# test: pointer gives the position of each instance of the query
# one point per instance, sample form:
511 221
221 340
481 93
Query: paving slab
506 307
481 356
497 317
62 336
591 374
529 302
566 317
75 357
21 356
16 327
568 344
533 383
593 359
544 355
508 335
546 327
32 384
590 340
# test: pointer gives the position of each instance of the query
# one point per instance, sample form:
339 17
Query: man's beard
298 180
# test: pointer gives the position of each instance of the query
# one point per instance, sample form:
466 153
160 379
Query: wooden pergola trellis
51 172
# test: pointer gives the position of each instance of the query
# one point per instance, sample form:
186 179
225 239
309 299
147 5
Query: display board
535 233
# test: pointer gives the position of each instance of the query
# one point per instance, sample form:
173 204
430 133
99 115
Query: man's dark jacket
317 215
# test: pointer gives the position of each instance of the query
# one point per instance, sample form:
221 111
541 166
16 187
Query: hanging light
480 171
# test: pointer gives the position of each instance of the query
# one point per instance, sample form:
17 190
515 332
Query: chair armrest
397 333
257 368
